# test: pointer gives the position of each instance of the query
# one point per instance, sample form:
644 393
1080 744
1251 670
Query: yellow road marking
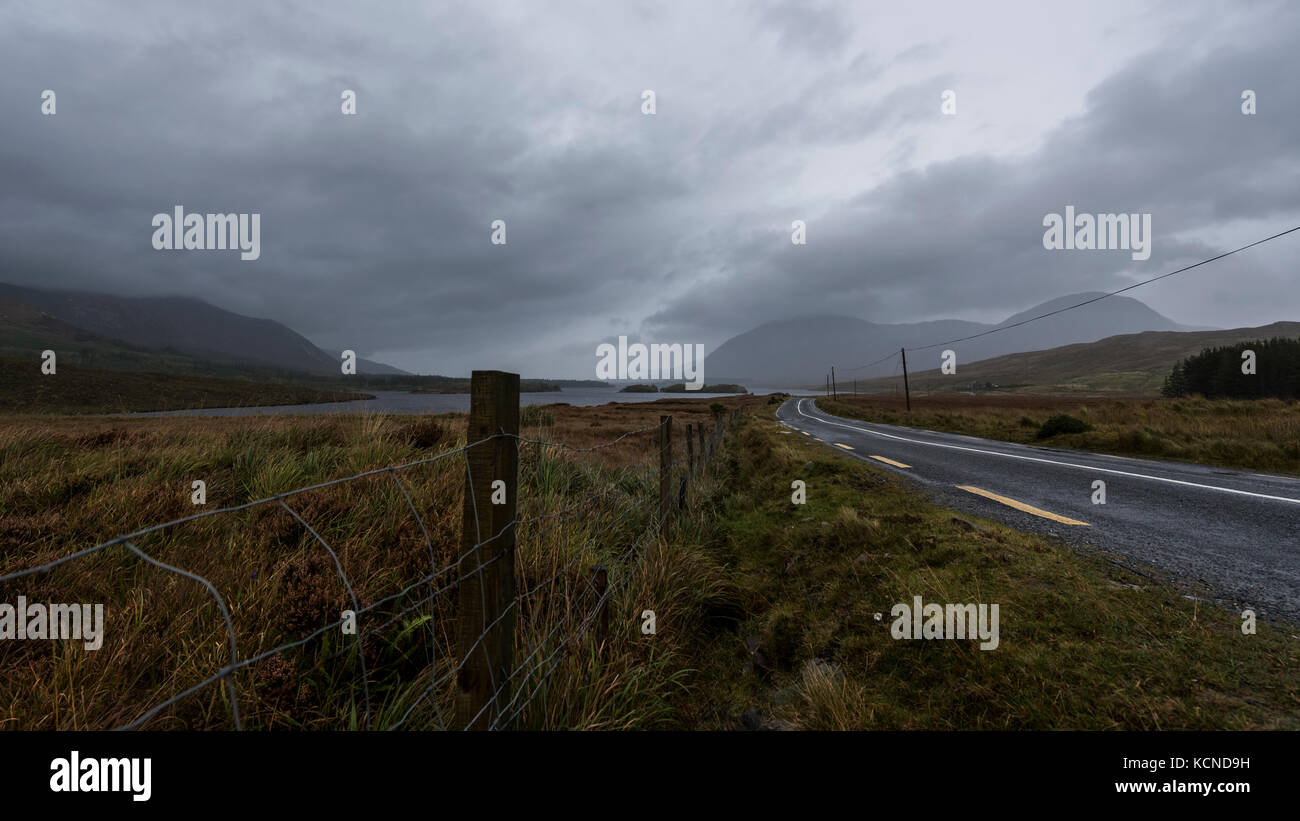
846 447
805 433
819 439
890 462
1065 520
1275 476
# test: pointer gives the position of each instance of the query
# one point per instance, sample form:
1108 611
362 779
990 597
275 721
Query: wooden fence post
665 467
690 449
699 434
487 591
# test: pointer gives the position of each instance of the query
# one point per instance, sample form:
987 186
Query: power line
1089 301
869 364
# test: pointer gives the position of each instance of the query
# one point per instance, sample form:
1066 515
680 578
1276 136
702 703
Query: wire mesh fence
364 602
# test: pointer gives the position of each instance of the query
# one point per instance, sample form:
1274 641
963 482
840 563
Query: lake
403 402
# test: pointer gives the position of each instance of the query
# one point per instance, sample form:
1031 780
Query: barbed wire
233 509
523 530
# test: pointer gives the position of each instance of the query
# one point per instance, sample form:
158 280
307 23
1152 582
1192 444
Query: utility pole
906 390
834 391
828 386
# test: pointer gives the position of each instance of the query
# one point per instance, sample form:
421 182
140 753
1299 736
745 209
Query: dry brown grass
68 483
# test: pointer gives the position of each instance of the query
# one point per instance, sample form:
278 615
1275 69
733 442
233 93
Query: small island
462 386
680 387
448 384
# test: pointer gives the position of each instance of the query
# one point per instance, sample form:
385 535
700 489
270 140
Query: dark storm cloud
375 228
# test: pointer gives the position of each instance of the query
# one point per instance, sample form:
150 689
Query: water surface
403 402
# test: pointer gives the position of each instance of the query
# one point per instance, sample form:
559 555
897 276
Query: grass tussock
67 483
1084 644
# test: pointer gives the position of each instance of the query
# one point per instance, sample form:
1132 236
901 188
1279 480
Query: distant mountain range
1115 344
1127 364
801 351
169 333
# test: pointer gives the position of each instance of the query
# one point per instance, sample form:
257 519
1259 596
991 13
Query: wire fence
473 642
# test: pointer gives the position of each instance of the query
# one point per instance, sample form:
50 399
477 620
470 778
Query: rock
786 695
757 659
777 725
822 666
968 525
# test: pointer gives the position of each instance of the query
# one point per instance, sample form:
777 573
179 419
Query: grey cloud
376 228
816 28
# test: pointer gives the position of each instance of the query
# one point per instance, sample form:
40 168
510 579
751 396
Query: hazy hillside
1129 363
800 351
83 390
175 325
26 331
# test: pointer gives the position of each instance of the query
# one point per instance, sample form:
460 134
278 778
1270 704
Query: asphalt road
1231 533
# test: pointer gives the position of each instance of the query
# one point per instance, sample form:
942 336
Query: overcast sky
675 226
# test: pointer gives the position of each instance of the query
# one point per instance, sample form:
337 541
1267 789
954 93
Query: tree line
1226 372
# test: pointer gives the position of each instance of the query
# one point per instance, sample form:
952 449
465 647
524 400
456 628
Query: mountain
166 326
25 331
1128 363
800 351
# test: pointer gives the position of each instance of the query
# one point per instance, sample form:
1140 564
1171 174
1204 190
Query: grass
67 483
1084 644
765 610
1261 435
